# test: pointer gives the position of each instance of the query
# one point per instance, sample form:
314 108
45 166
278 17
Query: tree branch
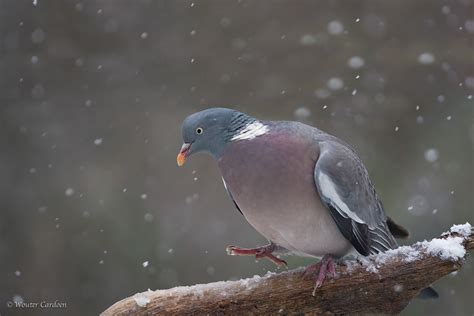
384 283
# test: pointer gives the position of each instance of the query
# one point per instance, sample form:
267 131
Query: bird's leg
260 252
323 268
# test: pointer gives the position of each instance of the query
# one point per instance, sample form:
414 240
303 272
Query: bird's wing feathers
345 188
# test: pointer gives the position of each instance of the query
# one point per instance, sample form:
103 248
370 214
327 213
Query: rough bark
355 290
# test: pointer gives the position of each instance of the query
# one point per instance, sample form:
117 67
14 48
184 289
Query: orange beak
183 154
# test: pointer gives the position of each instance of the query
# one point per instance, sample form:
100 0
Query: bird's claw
260 252
279 262
230 251
323 268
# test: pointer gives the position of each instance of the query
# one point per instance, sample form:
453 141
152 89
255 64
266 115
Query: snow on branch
383 283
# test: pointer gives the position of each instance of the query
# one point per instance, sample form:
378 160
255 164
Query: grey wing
346 190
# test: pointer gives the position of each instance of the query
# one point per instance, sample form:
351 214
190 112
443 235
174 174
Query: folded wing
346 190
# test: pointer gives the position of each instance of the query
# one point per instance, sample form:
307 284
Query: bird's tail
428 293
397 230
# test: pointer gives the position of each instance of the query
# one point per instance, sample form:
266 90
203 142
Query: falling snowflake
335 83
98 141
426 58
355 62
302 113
431 155
335 27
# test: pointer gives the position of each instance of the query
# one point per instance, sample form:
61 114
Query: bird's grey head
210 130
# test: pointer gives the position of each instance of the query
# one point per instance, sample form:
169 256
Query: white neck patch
251 131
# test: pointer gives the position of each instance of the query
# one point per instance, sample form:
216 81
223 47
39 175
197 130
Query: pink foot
323 268
260 252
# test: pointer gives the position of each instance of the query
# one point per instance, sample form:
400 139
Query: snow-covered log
383 283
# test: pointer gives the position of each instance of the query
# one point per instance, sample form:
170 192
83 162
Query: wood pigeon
304 190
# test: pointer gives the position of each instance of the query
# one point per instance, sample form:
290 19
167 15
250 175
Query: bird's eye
199 130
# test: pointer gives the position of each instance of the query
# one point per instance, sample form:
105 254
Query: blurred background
92 96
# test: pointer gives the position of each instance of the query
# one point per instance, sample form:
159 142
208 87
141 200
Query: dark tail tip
397 230
428 294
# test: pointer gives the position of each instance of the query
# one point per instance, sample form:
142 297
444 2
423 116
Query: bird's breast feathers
270 178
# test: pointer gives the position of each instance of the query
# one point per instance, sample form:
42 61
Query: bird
306 191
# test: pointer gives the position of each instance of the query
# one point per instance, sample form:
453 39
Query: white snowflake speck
356 62
98 141
335 83
308 40
426 58
469 26
335 27
69 192
469 82
431 155
322 93
302 113
148 217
